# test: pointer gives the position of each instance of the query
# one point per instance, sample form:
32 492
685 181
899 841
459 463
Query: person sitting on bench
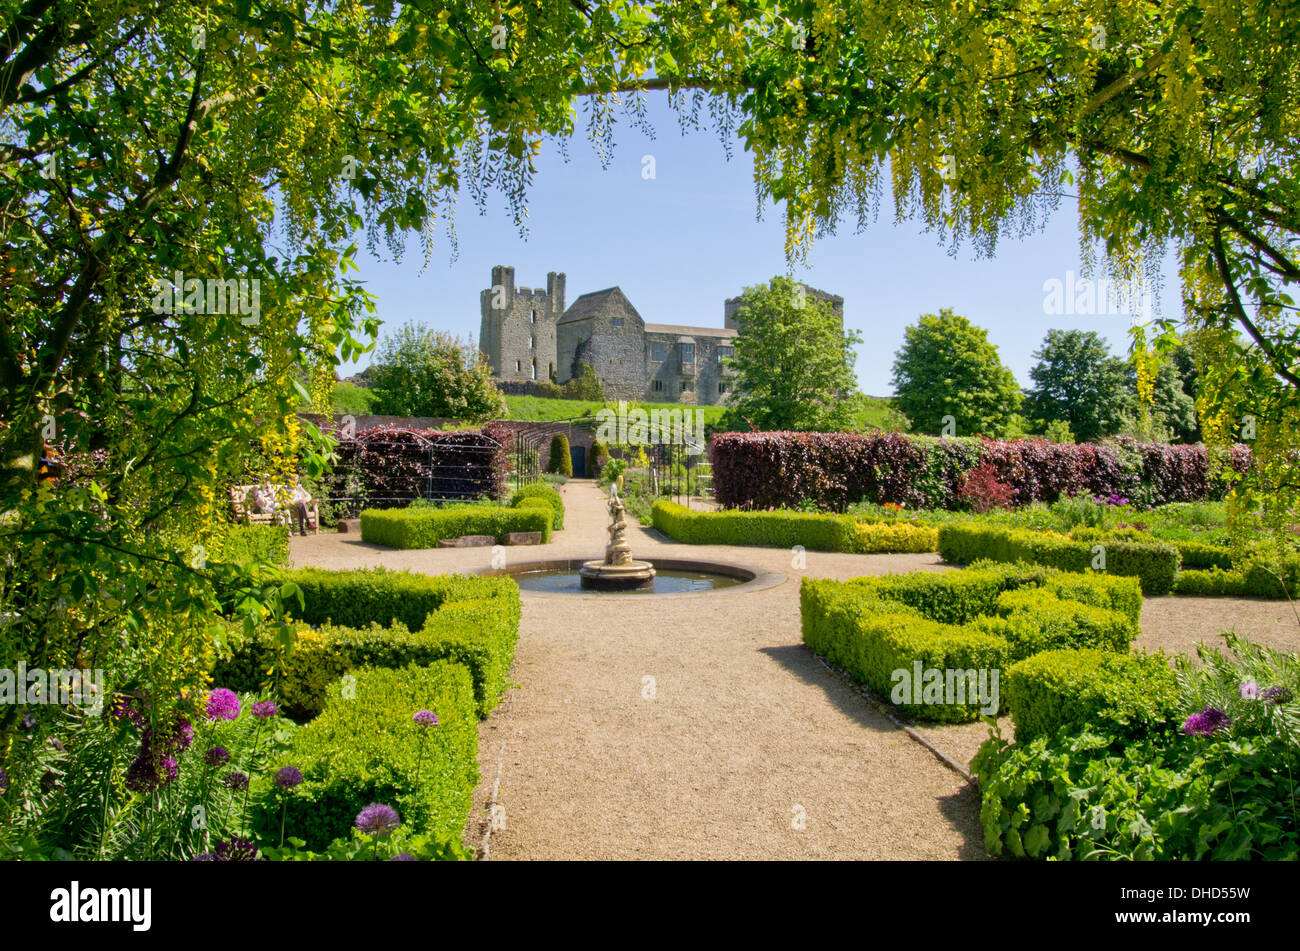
298 498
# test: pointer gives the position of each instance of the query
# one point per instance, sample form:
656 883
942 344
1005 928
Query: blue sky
681 243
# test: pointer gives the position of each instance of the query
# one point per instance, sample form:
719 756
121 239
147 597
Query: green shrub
365 748
733 527
599 458
1080 795
237 544
874 627
1114 592
1154 563
424 528
383 618
1068 689
1044 622
1200 555
1212 583
547 494
785 529
1268 577
560 460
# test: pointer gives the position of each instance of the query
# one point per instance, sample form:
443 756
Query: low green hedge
1198 555
237 544
1154 563
785 529
1260 577
425 527
382 619
548 494
1059 689
959 621
1043 621
366 748
380 596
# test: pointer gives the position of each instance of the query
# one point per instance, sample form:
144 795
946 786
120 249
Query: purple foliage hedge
781 470
398 465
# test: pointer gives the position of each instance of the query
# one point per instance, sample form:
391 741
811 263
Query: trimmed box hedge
383 619
548 494
985 617
425 527
1154 563
785 529
366 748
1059 689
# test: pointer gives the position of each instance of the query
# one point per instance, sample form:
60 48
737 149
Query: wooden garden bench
241 500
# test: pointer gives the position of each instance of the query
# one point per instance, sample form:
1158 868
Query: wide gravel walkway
699 726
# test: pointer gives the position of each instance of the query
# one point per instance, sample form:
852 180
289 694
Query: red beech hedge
782 470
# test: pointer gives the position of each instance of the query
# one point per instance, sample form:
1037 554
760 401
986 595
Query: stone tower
518 328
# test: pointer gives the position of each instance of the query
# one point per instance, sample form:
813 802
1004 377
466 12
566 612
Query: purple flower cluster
237 849
235 780
216 756
426 718
378 819
264 709
286 777
1113 499
1210 720
145 774
223 704
1276 695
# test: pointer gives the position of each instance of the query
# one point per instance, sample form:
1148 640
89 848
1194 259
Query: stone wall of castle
517 329
523 328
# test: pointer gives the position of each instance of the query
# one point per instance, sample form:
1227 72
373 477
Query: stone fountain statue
618 570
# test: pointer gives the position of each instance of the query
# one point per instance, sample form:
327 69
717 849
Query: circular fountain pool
672 576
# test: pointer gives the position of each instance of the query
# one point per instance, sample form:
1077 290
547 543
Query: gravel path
699 726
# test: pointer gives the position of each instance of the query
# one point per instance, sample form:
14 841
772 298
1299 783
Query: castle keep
528 334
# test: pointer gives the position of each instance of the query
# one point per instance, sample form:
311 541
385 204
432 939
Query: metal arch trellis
451 468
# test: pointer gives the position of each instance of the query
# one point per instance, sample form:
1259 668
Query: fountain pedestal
619 571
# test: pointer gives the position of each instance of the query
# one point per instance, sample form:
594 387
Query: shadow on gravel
961 808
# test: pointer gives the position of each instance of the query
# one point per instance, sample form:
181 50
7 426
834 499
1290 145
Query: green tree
1172 407
793 362
1077 380
947 367
421 372
561 460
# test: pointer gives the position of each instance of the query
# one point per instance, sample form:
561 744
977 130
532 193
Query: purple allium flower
216 756
378 819
236 850
403 857
265 709
1249 690
141 776
426 718
223 704
1276 695
286 777
1210 720
170 768
182 736
236 780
